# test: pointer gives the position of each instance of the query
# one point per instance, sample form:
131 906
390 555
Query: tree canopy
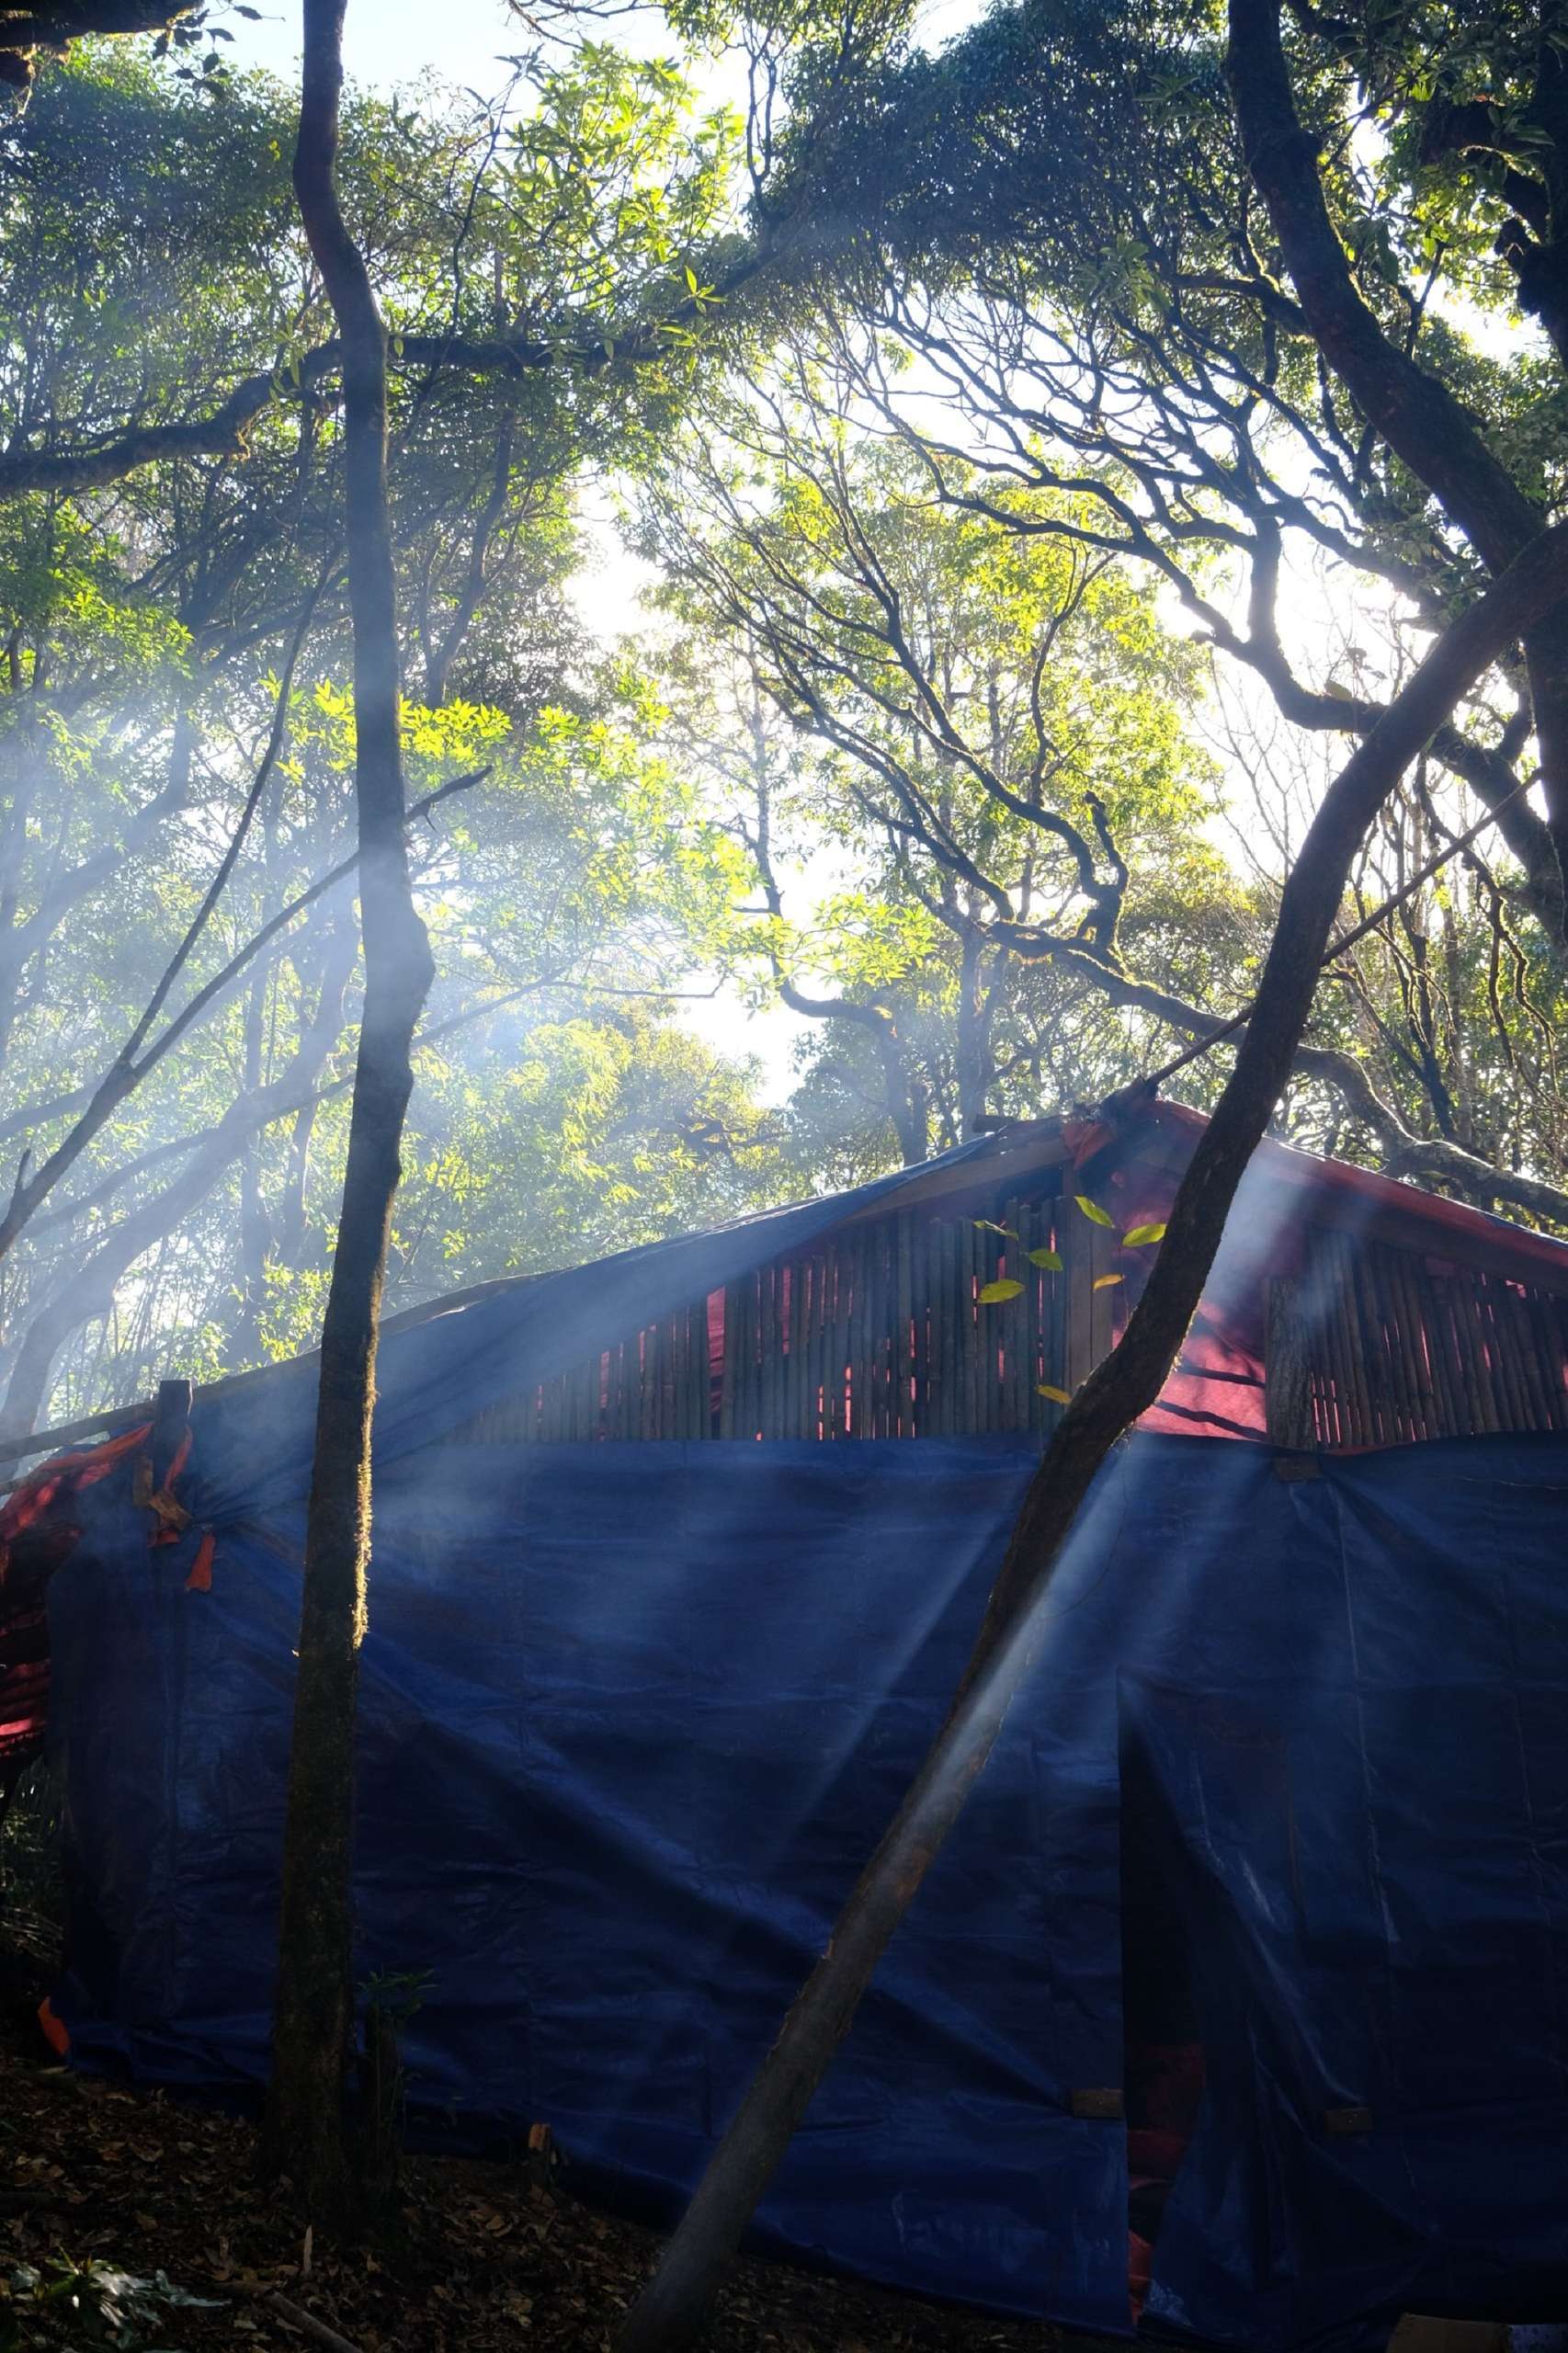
1023 533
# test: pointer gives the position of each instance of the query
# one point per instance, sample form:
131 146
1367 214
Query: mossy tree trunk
313 2021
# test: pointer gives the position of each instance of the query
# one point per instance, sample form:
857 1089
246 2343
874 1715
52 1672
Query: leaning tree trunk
1124 1385
313 2019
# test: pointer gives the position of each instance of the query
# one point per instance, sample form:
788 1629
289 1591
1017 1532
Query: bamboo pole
981 1326
816 1402
884 1308
863 1340
973 1263
750 1356
1037 1235
1526 1366
768 1351
1053 1317
938 1330
1424 1372
850 1343
878 1331
903 1352
868 1290
1406 1405
1102 1257
921 1282
1501 1301
1523 1318
653 1367
1363 1328
791 1324
1442 1350
844 1341
1016 1332
1504 1400
1355 1410
686 1383
1548 1356
891 1354
1456 1297
1469 1329
727 1364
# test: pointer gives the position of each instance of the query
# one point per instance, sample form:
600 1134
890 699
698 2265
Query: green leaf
989 1225
1093 1211
1137 1237
1057 1396
1103 1282
993 1294
1050 1259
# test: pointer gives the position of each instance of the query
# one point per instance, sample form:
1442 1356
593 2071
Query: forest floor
118 2203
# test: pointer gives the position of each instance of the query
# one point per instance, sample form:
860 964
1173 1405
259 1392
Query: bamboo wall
1373 1347
879 1330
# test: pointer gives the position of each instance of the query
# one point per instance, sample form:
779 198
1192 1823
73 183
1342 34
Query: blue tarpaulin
633 1715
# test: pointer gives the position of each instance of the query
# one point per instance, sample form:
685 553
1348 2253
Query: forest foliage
1015 572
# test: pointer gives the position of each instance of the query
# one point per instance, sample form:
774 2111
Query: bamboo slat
1401 1271
1516 1379
816 1348
1453 1401
768 1351
1392 1345
909 1356
879 1332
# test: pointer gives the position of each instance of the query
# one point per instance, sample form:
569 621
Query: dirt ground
103 2187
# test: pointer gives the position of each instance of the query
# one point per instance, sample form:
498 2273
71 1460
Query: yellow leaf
993 1294
1057 1396
1137 1236
1102 1283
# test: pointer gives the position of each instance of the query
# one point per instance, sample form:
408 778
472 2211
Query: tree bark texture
313 2019
1122 1387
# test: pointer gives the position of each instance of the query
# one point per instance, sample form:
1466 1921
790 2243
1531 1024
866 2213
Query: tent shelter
1255 1932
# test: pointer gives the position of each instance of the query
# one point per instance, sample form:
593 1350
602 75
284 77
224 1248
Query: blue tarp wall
632 1717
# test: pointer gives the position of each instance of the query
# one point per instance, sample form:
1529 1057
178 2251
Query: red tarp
1217 1390
39 1510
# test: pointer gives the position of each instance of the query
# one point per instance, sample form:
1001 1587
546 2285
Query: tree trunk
313 2019
1122 1387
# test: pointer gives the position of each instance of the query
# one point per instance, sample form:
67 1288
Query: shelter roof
445 1358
